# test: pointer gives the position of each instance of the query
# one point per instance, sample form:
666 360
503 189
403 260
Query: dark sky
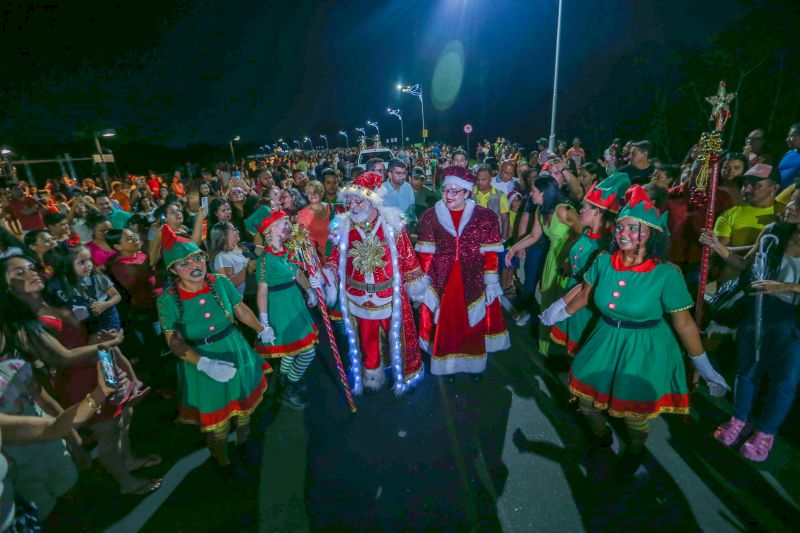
203 71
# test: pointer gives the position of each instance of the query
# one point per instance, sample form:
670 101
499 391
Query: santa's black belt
214 337
371 288
282 286
630 325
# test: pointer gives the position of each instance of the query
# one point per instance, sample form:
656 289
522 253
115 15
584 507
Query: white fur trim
460 182
455 365
446 220
369 313
425 248
493 248
477 313
498 343
416 289
490 279
374 379
424 345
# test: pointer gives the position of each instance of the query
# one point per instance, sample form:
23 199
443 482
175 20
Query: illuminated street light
106 133
416 90
362 130
323 136
233 153
396 113
375 125
308 140
346 138
552 140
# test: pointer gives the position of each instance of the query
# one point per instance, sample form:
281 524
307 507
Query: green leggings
294 366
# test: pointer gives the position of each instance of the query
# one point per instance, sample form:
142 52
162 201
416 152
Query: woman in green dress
282 307
631 364
557 220
220 376
600 207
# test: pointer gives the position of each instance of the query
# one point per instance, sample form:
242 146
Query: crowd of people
187 287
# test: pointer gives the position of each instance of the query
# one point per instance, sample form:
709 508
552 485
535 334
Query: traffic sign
424 134
467 128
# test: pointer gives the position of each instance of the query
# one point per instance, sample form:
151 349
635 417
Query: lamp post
552 140
323 136
7 153
308 140
346 139
107 133
416 90
233 153
396 113
375 125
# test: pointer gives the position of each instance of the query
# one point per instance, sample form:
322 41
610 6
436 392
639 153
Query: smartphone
108 367
204 203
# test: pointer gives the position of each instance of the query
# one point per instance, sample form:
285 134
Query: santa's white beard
361 216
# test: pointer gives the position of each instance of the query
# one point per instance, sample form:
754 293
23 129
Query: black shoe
476 378
626 467
290 397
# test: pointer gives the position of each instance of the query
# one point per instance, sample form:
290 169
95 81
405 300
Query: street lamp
375 125
297 143
107 134
323 136
416 90
346 139
308 140
233 153
396 113
552 140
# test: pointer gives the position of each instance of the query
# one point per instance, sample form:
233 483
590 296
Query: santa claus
376 270
457 247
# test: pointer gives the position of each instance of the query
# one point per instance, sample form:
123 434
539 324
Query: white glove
548 315
717 386
266 335
222 371
312 297
316 281
493 290
557 317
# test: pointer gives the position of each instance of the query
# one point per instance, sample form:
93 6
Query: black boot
290 396
626 467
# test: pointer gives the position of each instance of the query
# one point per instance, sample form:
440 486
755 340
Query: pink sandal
729 432
757 447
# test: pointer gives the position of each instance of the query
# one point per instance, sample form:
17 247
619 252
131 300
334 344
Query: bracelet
92 404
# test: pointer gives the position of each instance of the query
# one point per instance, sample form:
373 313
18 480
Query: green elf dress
295 331
607 196
205 319
631 364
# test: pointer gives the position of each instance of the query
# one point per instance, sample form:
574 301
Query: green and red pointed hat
638 206
262 218
175 248
609 194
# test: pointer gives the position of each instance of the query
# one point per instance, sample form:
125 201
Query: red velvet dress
466 329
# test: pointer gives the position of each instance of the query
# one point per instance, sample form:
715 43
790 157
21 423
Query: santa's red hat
460 177
366 185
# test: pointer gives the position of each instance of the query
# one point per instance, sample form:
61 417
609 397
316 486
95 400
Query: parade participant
557 220
600 207
220 376
631 363
371 264
457 247
773 375
316 217
280 299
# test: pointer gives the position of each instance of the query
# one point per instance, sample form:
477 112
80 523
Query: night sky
178 73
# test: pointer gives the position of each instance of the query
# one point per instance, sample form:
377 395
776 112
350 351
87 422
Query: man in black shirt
639 168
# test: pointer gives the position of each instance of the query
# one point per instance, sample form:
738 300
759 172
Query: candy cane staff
631 364
220 376
282 307
377 274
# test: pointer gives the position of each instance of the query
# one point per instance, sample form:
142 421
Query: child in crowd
92 297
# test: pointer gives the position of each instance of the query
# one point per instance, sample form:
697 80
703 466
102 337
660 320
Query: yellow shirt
784 197
482 199
743 223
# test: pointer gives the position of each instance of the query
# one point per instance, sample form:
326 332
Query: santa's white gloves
316 280
330 290
717 386
266 335
555 313
221 371
493 290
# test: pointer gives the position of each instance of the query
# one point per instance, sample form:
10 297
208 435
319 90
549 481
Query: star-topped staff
720 110
710 148
302 253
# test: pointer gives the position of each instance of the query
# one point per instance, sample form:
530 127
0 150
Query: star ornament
368 255
720 108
